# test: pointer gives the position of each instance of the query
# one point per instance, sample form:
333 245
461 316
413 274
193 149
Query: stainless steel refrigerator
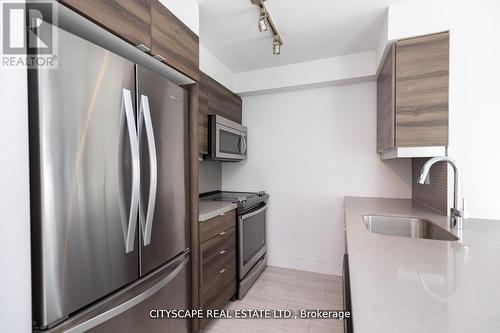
109 194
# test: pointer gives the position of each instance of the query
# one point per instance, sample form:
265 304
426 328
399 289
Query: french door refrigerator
109 184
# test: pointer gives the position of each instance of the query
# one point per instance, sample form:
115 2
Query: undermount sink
412 227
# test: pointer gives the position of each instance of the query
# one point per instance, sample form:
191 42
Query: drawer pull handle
222 233
159 57
143 48
222 252
222 271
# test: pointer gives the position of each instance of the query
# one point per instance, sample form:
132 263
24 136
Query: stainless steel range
251 231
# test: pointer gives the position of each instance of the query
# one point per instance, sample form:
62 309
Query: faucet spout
456 214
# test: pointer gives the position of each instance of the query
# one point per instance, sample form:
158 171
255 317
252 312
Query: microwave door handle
241 144
129 234
244 145
147 222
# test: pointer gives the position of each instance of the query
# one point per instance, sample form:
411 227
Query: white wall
210 176
15 277
310 148
213 67
317 72
474 103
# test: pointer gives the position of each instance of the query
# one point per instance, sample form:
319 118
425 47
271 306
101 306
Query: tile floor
280 288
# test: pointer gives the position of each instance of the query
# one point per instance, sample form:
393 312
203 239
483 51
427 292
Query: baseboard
305 265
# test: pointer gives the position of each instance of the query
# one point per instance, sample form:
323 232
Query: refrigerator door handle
129 233
147 222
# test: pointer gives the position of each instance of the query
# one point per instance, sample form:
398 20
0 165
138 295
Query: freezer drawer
166 288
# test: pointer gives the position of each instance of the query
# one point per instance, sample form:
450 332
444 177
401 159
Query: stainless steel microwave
228 139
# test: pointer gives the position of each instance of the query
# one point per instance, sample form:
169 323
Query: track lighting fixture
276 46
265 22
262 21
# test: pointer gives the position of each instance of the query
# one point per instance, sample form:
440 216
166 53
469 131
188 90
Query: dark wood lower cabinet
346 289
217 262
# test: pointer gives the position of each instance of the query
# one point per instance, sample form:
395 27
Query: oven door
251 239
228 141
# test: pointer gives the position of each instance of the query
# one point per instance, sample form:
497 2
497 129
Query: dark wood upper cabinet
203 114
129 19
223 102
422 79
412 93
214 98
385 103
173 41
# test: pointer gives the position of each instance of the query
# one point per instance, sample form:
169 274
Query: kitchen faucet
456 215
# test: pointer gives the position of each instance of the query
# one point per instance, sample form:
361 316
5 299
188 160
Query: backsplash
434 195
210 176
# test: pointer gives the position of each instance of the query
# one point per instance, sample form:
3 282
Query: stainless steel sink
412 227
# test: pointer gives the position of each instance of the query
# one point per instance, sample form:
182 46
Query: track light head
262 22
276 46
266 23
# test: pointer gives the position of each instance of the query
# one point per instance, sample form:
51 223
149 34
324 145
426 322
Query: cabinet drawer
217 225
130 20
218 247
222 282
218 300
217 254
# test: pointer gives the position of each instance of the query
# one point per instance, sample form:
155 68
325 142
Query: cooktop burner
235 197
244 200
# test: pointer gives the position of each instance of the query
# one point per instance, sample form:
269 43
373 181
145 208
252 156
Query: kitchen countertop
401 284
209 209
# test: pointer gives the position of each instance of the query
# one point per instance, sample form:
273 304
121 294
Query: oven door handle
255 212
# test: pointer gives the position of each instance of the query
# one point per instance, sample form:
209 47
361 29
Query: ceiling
311 29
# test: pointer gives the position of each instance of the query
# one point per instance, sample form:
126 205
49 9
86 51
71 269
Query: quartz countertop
209 209
401 284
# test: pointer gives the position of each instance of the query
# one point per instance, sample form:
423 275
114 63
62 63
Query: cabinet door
422 75
129 19
385 103
203 114
175 43
223 102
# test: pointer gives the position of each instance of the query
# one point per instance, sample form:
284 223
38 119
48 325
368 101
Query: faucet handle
464 213
460 212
